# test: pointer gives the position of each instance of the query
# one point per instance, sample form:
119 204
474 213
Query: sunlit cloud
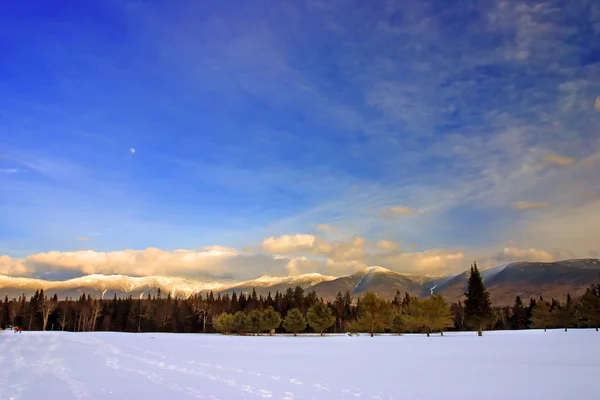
400 211
559 160
324 228
528 205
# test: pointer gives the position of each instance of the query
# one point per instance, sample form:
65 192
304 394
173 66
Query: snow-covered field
499 365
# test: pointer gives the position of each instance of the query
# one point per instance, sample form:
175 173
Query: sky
231 139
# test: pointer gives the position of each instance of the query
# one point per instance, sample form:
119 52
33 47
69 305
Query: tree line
296 311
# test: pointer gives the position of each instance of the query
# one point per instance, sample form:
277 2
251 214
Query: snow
499 365
270 280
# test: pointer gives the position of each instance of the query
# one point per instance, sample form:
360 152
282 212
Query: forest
297 311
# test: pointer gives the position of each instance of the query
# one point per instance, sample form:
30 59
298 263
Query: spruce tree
320 317
270 320
478 308
518 318
294 321
589 307
566 314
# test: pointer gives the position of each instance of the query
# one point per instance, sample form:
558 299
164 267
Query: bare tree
95 311
46 307
65 318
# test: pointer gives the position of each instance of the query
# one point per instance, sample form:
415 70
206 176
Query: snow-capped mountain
525 279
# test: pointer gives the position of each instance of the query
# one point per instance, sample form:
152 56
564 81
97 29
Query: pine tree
294 321
415 318
320 317
478 309
437 314
254 319
398 323
239 322
223 322
540 316
589 306
270 320
373 314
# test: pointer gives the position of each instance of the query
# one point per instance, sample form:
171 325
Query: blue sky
450 128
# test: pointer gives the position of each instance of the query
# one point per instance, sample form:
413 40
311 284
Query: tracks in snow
23 365
167 371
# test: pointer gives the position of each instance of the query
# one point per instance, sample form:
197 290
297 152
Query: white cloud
212 262
295 244
302 265
511 254
388 245
8 170
432 261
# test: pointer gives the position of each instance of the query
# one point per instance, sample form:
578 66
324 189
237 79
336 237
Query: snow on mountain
489 273
269 281
115 283
101 284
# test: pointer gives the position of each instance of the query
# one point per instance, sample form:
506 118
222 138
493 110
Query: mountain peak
375 269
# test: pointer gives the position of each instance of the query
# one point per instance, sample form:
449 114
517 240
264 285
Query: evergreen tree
270 320
437 315
320 317
294 321
373 314
254 320
398 323
458 312
415 316
518 318
223 323
540 316
589 306
239 322
565 315
478 309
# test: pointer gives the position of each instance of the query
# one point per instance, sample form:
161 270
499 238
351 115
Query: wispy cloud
528 205
324 228
8 170
559 160
400 210
454 110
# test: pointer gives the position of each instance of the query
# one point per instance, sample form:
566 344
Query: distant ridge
505 282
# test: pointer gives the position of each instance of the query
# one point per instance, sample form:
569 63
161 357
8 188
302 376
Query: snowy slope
538 365
99 284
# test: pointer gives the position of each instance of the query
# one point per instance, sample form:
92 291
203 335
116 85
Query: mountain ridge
505 282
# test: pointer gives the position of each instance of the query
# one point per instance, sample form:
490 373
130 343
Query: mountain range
504 282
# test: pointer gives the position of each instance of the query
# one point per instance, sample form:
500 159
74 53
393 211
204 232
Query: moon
132 150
